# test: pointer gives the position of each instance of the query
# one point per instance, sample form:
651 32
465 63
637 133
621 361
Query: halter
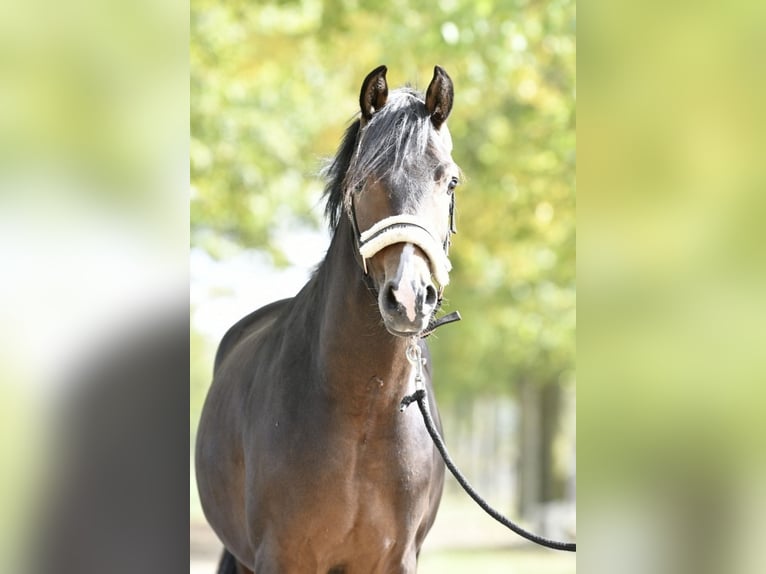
406 229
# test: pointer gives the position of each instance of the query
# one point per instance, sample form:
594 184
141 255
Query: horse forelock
398 143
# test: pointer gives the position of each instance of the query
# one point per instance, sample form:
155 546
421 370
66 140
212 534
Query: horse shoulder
248 324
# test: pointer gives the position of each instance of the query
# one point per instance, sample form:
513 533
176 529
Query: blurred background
273 87
94 112
671 277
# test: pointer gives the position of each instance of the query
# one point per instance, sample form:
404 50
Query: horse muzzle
413 260
408 300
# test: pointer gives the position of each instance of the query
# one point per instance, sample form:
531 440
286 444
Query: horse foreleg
230 565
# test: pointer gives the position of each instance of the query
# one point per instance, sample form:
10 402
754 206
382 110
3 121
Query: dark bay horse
304 462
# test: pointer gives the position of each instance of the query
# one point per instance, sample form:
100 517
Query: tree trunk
540 413
529 451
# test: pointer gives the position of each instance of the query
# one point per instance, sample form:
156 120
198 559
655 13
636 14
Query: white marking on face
405 292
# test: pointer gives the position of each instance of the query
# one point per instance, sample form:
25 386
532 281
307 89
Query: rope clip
415 357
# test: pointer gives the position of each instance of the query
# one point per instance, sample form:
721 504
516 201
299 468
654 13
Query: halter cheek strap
405 229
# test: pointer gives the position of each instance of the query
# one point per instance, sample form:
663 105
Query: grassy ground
497 561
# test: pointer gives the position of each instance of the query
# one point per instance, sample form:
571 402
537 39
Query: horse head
399 194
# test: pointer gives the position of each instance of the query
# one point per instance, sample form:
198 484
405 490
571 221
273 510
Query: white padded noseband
406 229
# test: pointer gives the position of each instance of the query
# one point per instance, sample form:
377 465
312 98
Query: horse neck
355 351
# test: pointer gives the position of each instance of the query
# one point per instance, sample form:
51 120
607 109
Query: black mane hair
335 173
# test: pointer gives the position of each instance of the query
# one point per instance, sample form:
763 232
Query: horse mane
335 173
399 130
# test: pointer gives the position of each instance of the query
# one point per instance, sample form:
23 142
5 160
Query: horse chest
350 487
354 462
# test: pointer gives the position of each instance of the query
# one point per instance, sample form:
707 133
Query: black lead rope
419 396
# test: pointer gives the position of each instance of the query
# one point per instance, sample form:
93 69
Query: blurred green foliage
671 261
273 86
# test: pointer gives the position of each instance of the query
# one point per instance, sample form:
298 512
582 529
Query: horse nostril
389 298
430 295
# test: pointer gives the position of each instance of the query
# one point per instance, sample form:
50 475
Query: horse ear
439 97
374 92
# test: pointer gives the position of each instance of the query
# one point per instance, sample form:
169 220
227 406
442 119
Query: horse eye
452 184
